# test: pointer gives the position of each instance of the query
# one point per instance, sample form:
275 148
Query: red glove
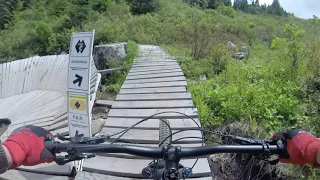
302 147
26 146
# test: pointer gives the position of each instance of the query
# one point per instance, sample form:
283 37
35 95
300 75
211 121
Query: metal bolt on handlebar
186 172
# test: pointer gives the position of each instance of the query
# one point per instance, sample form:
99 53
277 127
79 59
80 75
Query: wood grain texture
153 85
22 175
147 136
153 104
151 123
141 65
144 113
154 97
154 72
106 103
149 76
155 90
49 168
153 80
149 69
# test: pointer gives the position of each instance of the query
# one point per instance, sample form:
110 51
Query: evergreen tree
276 9
213 4
200 3
256 3
7 8
244 5
143 6
227 2
236 4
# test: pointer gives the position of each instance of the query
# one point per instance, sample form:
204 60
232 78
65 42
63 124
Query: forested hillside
276 87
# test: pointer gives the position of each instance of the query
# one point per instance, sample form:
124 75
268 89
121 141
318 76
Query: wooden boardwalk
154 84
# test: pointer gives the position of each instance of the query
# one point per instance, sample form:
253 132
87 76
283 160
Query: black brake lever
266 155
72 153
248 141
85 140
62 160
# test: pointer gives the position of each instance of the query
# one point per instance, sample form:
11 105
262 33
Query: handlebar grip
51 146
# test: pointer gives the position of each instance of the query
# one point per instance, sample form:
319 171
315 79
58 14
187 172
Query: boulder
230 45
105 55
241 55
203 77
244 49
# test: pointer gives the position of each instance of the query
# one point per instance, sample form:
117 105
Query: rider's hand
26 146
302 147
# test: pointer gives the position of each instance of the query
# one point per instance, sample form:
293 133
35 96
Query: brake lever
72 153
266 155
62 160
85 140
247 141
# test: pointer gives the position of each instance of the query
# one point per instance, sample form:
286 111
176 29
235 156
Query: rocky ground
243 166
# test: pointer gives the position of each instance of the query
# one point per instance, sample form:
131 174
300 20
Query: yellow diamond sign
77 102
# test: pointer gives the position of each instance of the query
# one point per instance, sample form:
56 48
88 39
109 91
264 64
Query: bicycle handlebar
159 152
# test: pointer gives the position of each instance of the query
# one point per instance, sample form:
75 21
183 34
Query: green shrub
115 81
227 11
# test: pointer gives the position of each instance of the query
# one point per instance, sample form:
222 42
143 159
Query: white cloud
301 8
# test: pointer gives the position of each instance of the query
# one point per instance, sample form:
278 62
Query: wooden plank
105 103
154 69
147 136
49 168
63 132
154 90
116 166
1 79
162 75
154 97
83 175
165 79
153 85
154 72
144 113
22 175
58 125
11 87
153 104
4 79
154 61
151 123
158 61
142 65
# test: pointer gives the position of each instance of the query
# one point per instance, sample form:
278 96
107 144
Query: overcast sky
301 8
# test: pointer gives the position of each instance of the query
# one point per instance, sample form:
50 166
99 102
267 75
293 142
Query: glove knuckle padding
26 146
38 130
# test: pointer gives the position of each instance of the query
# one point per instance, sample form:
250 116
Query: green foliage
143 6
255 8
291 43
261 92
101 5
199 3
115 81
227 11
40 37
275 88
